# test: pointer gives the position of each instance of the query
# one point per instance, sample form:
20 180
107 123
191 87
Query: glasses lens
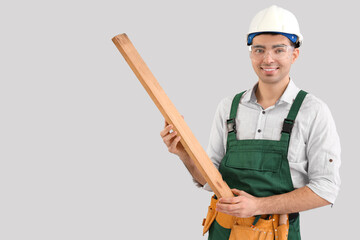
277 52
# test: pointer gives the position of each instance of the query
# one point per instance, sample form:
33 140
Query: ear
295 55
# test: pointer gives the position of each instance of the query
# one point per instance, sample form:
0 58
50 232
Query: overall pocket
262 161
255 172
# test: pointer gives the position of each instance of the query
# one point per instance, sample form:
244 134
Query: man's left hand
243 205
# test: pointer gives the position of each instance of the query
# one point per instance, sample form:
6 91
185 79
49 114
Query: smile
269 70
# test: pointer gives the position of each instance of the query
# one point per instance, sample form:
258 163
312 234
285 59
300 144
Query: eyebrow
279 45
274 46
259 46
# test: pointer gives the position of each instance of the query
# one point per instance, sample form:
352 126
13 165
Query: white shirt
314 149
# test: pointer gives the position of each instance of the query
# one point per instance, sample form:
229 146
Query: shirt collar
288 96
290 93
249 95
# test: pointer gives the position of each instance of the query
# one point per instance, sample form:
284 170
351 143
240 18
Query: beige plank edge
172 116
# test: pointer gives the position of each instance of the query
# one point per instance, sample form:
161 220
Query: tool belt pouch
265 229
224 220
211 215
241 228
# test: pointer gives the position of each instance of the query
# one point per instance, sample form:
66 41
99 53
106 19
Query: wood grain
172 116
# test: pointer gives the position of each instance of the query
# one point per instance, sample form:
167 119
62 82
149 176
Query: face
270 68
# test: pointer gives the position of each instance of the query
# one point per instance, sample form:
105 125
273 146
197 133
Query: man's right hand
172 141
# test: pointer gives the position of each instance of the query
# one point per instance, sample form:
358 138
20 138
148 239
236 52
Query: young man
275 145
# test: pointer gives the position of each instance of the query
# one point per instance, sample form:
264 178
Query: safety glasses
277 52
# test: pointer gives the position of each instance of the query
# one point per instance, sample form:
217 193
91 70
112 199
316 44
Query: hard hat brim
292 37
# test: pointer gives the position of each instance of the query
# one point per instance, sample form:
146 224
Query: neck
267 94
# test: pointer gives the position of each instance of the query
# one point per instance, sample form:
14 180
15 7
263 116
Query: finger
166 124
174 143
166 130
168 137
227 208
237 192
233 210
231 200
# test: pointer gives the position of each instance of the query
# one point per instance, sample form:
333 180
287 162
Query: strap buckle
287 126
231 125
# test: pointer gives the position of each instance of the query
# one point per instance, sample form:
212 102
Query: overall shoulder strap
231 125
296 105
290 119
235 105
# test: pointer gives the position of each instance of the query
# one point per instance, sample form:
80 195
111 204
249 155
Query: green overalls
258 167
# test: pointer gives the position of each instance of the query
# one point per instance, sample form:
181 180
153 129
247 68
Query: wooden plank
172 116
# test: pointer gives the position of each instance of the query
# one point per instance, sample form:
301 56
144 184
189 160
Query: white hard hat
275 20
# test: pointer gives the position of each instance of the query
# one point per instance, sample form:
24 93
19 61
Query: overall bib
258 167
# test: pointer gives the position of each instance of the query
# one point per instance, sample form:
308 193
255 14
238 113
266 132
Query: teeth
268 70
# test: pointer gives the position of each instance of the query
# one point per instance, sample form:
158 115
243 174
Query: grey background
80 151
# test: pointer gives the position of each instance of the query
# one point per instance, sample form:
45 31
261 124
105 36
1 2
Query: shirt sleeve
216 149
323 153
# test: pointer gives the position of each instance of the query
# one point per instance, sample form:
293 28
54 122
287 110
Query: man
274 166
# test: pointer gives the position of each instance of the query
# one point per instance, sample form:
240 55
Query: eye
258 50
280 50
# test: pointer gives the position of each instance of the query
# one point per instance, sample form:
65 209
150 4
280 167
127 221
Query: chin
271 80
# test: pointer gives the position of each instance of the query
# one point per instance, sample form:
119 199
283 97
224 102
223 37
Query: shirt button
263 112
259 130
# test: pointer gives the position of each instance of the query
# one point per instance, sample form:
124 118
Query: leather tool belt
244 228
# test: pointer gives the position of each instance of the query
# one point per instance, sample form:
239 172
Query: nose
268 58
